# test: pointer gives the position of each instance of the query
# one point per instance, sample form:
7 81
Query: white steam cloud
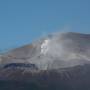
61 51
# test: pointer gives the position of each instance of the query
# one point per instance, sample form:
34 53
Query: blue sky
22 21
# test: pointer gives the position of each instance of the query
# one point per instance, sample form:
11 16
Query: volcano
59 61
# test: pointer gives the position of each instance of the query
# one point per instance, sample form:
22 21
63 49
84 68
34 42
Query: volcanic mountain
60 61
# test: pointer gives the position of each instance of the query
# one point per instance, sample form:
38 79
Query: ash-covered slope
52 52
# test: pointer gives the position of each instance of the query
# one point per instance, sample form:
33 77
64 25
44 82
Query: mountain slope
52 52
75 78
56 62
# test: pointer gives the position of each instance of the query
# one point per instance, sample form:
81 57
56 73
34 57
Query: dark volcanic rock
20 66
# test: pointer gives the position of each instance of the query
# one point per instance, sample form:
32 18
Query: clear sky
22 21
